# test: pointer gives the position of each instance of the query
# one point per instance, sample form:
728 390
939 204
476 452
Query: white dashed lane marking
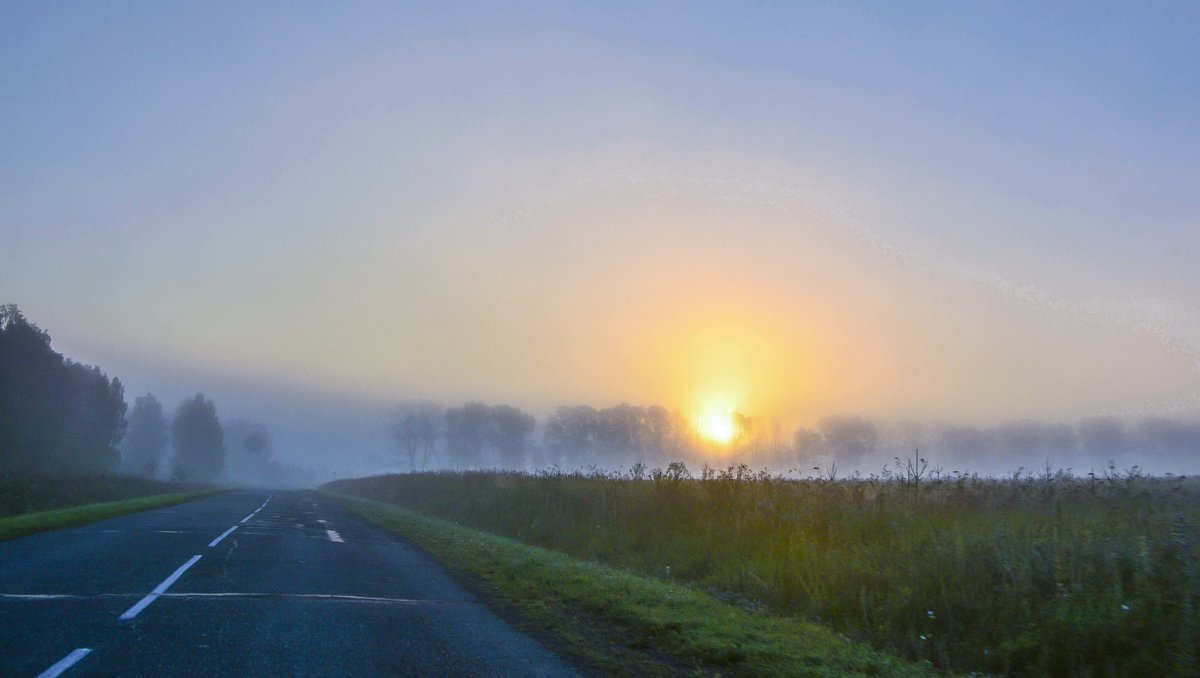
65 663
158 591
334 536
62 665
224 534
255 511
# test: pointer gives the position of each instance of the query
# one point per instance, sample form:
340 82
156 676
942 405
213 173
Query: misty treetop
56 415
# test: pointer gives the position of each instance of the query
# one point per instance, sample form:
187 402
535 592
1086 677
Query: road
300 587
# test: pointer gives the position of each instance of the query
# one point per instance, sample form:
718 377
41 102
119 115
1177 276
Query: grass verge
1033 575
611 621
31 523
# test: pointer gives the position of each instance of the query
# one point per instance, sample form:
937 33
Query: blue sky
931 210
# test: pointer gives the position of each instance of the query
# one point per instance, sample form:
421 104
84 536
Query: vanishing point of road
245 583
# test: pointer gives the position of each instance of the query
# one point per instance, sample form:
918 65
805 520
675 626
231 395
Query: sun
715 422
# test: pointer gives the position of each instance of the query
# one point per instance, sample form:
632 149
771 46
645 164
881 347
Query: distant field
30 493
1033 575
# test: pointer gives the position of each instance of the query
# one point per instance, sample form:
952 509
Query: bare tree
416 427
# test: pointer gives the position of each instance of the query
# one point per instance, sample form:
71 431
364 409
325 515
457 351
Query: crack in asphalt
225 561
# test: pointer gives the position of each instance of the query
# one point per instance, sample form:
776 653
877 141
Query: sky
959 212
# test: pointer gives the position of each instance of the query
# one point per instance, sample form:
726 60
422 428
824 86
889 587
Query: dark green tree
55 414
198 440
145 444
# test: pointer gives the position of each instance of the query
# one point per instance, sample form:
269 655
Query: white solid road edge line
224 534
65 663
158 591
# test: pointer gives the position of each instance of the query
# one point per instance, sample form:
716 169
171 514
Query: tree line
56 415
476 435
1160 443
59 416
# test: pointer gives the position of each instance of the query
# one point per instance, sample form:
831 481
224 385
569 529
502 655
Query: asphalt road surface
300 587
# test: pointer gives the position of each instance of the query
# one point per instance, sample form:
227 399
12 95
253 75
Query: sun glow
715 422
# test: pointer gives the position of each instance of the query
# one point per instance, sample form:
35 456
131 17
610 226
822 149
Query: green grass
27 493
1049 575
616 622
30 523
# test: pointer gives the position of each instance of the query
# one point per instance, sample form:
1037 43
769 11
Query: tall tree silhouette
466 434
145 443
198 440
55 414
570 436
416 426
508 434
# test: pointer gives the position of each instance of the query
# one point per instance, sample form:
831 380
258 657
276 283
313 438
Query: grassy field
1027 575
12 527
36 503
616 622
42 492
